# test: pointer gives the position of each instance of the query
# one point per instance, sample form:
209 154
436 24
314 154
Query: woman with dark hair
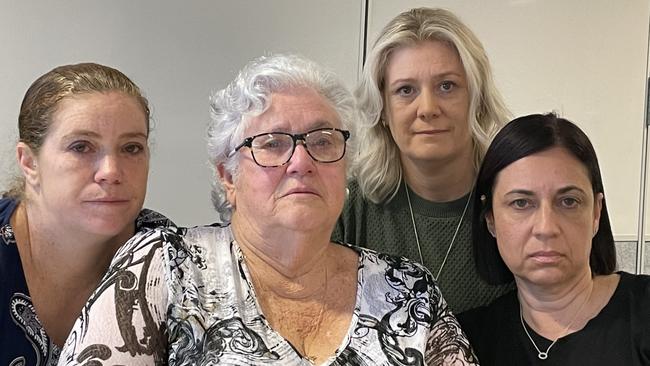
540 217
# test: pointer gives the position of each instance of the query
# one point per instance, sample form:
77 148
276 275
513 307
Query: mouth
108 201
432 132
546 256
301 192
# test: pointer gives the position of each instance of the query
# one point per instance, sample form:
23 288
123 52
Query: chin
547 276
110 225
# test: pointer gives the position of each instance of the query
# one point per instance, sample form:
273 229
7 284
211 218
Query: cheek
137 170
511 234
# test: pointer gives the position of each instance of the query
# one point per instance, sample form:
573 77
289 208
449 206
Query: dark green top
388 228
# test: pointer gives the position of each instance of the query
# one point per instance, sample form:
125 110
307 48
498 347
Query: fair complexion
283 218
544 217
427 101
84 189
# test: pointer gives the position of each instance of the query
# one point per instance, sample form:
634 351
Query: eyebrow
93 134
562 190
441 75
320 123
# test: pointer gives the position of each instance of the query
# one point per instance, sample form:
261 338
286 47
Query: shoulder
635 281
197 249
392 262
213 233
7 207
636 287
486 317
149 219
399 273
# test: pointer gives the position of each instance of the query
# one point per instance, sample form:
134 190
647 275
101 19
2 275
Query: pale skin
283 218
544 217
93 166
426 100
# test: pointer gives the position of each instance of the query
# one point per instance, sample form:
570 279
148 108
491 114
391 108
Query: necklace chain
542 355
453 238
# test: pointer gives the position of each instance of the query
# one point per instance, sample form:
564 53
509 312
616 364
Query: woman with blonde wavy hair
430 108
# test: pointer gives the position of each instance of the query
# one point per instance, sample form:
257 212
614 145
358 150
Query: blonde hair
378 168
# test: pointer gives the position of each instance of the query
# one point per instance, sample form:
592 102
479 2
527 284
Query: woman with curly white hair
269 287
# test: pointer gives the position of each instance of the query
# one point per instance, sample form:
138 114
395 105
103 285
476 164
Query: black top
618 335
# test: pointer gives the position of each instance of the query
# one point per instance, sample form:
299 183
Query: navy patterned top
23 340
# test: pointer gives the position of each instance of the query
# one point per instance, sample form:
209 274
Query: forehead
298 110
98 111
434 57
546 170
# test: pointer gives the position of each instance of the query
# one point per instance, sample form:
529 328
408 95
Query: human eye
80 147
520 203
133 148
569 202
405 91
321 139
271 142
447 86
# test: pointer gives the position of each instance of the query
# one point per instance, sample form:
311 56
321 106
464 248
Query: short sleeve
123 321
446 343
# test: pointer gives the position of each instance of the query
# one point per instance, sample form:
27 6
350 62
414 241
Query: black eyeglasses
325 145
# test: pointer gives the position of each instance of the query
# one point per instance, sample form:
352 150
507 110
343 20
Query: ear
228 184
28 163
598 207
489 220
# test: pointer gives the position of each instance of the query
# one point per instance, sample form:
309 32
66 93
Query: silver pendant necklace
542 355
417 238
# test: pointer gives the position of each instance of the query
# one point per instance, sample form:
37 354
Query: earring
347 192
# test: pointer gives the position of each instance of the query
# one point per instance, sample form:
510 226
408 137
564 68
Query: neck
62 257
440 181
555 311
289 263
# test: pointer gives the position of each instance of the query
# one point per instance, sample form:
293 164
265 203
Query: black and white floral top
214 318
119 324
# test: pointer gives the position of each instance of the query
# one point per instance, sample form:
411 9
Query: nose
109 170
301 162
546 224
428 106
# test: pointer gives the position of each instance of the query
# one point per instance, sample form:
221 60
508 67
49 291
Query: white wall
177 52
586 59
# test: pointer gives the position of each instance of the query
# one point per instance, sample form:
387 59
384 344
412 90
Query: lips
301 191
431 132
546 256
108 200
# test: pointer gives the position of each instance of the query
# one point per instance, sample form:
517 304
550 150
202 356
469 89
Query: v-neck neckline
355 313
